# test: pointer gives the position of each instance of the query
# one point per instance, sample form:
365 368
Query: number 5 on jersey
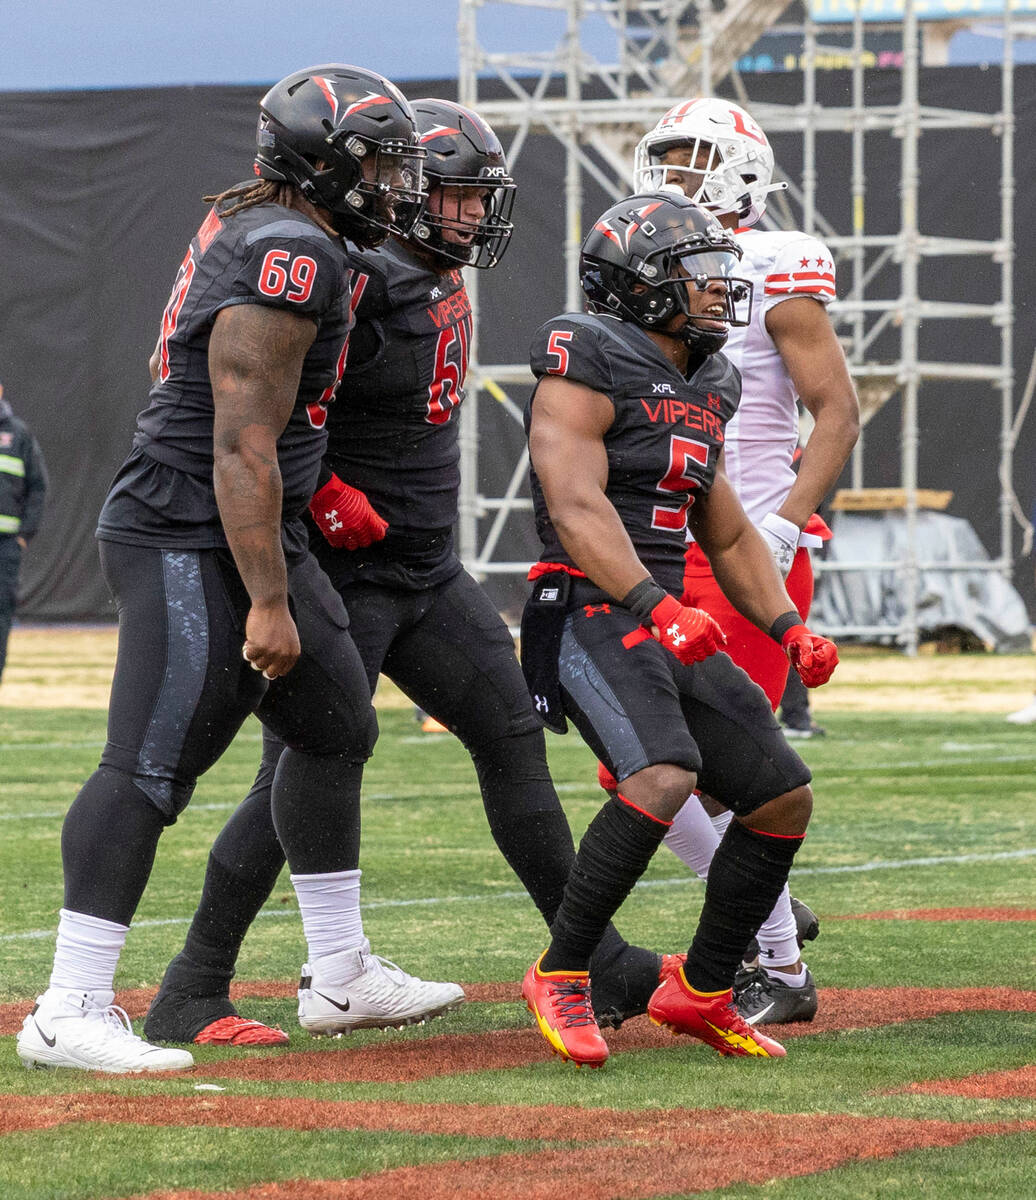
685 456
557 347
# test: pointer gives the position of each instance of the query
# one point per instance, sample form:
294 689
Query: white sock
778 934
330 908
87 953
691 836
795 979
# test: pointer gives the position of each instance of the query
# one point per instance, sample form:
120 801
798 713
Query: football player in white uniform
719 157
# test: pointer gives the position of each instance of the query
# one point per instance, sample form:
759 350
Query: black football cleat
762 999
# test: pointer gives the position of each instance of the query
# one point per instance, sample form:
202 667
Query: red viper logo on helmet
368 101
623 241
327 88
437 131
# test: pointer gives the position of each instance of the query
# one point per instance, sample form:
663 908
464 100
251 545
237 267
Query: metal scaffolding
667 50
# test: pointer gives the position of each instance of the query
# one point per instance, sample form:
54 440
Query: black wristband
783 623
642 598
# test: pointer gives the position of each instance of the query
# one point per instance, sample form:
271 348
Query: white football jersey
762 435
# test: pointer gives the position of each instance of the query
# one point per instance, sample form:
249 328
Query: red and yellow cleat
239 1031
560 1002
711 1016
671 963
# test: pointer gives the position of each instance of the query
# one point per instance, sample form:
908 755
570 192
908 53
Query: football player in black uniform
415 613
222 609
625 434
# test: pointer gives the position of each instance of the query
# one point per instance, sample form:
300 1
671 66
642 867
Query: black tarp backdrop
100 192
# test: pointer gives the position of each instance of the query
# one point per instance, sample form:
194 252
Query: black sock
746 875
195 990
614 853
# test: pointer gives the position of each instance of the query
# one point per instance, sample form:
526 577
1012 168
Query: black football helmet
660 240
345 137
463 152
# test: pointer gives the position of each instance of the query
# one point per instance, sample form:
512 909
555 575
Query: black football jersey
269 255
666 438
394 431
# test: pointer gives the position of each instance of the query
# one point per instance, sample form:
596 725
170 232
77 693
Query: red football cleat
238 1031
711 1016
671 963
560 1002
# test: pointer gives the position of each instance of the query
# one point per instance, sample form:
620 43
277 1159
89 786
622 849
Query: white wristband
782 536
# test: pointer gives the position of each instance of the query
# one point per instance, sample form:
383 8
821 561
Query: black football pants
180 694
448 650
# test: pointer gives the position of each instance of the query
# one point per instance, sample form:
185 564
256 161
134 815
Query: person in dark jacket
23 486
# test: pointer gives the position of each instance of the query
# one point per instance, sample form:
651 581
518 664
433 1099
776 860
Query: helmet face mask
464 156
389 191
729 162
345 137
643 253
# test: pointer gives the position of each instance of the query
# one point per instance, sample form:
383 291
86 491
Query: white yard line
682 881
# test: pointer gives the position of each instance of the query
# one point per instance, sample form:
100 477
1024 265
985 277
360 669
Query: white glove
783 539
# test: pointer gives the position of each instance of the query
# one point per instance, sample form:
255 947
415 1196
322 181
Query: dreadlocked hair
263 191
248 195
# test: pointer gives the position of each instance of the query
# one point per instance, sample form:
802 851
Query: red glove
689 633
345 517
814 657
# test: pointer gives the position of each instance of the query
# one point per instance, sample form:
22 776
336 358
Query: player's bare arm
740 559
255 360
813 358
566 445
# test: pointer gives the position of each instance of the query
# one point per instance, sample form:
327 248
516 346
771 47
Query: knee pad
170 795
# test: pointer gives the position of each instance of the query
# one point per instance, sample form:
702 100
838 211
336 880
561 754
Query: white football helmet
730 157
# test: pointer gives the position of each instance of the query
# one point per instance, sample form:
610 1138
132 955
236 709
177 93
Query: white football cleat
379 995
86 1031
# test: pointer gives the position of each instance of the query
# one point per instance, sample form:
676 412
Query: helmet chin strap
696 339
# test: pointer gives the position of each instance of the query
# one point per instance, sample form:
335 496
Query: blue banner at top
843 11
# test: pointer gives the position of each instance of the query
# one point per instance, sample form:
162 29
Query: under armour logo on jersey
592 610
542 704
675 636
332 520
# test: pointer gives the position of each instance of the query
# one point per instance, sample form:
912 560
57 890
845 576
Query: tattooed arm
255 360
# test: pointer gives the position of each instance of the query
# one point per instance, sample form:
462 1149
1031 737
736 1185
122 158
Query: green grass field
914 813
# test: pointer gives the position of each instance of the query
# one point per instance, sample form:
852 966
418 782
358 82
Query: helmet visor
705 268
394 183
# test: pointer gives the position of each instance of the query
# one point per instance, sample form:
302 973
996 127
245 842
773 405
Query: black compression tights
108 844
529 826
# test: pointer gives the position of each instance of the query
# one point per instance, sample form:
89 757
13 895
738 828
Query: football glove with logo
689 633
783 539
812 656
345 516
